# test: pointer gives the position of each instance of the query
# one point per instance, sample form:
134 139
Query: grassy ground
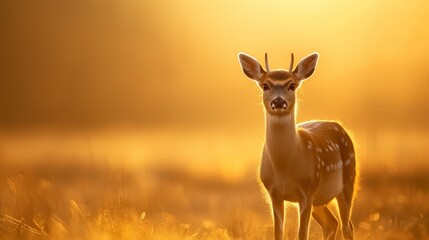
77 202
97 199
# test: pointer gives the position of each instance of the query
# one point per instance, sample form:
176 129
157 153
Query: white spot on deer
337 147
309 145
336 129
347 162
327 168
323 163
319 149
345 144
352 155
330 148
342 139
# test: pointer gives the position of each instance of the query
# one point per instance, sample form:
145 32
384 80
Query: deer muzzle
279 104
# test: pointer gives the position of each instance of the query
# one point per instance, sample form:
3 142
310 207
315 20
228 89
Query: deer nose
278 102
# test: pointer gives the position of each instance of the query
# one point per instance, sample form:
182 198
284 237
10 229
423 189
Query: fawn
310 163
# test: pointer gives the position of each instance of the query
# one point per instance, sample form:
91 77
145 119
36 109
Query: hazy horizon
137 63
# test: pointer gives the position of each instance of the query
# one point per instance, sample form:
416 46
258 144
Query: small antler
291 62
266 63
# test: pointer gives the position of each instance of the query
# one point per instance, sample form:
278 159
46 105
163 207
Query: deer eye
292 87
265 87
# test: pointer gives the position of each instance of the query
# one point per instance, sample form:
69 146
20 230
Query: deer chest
285 187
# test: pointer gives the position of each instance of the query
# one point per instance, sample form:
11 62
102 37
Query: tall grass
95 198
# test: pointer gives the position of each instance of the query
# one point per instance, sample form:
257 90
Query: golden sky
175 62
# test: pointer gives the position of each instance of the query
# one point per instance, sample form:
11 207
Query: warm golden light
133 119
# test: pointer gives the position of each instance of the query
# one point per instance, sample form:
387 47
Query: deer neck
281 139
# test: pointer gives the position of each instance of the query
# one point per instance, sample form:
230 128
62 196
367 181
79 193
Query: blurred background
133 118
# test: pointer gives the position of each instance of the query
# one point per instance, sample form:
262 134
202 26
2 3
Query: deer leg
327 222
305 209
345 200
278 214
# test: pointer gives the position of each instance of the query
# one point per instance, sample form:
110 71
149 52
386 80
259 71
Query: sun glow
132 119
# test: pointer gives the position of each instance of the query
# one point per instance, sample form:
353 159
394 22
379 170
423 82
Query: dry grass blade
11 185
142 217
21 224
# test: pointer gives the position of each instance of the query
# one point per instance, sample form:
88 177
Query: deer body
310 163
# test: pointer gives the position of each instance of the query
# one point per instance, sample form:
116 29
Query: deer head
278 85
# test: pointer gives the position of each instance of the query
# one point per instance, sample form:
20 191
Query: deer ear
306 66
251 67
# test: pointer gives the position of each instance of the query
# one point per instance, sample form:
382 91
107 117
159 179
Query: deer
311 163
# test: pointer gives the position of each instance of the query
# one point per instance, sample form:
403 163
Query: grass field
193 192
